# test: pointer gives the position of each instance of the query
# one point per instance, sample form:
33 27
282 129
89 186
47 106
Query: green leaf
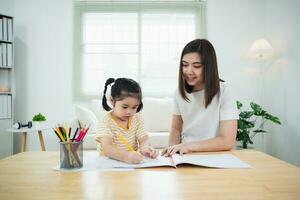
244 124
275 120
259 131
263 113
246 114
239 104
250 141
272 118
247 138
39 117
256 108
239 135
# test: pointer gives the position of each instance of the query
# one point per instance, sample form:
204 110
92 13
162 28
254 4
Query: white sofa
157 115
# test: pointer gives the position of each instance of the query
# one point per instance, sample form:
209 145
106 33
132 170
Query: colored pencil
75 134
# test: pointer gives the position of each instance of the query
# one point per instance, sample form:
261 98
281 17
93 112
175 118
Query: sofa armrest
159 140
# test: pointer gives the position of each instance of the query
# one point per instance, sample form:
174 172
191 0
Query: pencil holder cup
71 155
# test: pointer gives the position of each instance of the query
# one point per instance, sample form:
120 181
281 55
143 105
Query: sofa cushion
157 114
97 109
157 140
86 117
89 141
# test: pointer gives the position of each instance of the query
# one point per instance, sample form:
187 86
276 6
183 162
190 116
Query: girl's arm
223 142
144 141
146 149
110 150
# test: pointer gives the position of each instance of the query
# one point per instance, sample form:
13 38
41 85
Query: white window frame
81 7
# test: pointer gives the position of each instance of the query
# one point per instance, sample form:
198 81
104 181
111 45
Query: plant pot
38 124
240 146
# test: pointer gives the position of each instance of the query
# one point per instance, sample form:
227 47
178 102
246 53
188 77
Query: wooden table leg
42 141
24 136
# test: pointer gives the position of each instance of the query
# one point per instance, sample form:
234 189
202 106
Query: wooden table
29 175
24 132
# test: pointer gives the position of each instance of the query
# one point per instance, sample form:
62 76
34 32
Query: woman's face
192 70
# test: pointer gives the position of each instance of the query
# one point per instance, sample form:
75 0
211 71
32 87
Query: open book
210 160
213 160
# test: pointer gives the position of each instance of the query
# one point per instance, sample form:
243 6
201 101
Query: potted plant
252 122
38 120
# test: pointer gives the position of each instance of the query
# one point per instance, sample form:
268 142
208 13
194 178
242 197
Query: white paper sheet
92 161
212 160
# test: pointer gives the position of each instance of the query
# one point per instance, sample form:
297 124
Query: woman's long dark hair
211 78
122 88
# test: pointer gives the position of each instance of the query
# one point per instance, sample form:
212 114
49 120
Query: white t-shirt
200 123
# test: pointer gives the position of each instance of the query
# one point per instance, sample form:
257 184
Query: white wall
7 7
233 25
282 76
43 62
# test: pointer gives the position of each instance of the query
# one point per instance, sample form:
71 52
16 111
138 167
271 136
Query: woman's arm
110 150
175 134
224 141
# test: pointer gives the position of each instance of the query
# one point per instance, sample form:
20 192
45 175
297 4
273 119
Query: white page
211 160
105 162
92 161
157 162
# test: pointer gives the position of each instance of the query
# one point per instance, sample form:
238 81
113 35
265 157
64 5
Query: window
141 41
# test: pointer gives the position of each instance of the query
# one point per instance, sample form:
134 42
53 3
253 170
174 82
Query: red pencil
83 135
79 135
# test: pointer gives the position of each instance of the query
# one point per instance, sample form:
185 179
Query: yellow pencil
60 135
129 147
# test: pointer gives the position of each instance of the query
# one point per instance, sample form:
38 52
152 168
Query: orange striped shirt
108 127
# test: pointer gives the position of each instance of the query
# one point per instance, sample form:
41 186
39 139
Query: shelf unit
6 84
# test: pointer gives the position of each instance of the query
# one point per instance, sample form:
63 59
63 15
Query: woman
205 114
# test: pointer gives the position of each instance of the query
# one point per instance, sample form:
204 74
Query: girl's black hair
122 88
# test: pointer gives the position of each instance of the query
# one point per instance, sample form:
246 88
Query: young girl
121 134
205 114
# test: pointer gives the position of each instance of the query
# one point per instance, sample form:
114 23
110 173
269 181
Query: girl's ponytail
104 100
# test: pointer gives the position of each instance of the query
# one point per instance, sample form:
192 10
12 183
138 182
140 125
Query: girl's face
192 70
125 108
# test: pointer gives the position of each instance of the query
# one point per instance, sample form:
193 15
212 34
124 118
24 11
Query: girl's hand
149 151
134 158
178 148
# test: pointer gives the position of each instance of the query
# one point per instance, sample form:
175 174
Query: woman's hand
148 151
134 158
178 148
